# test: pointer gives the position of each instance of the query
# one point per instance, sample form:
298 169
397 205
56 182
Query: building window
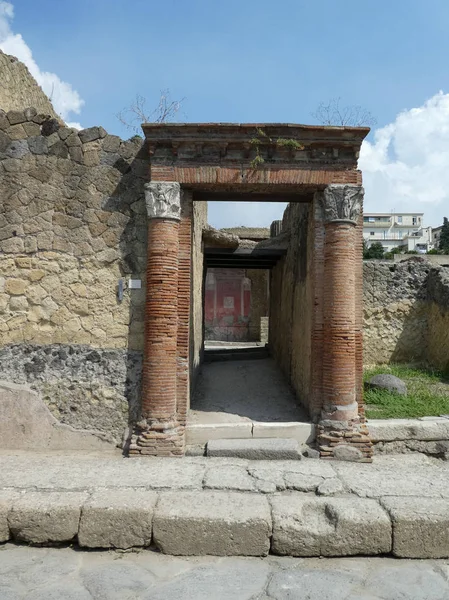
414 220
400 219
400 234
372 233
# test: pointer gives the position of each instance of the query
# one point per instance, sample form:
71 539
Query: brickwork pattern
339 321
159 433
184 308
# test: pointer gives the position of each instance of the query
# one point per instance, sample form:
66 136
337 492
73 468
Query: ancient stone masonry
19 89
73 223
215 162
100 275
406 307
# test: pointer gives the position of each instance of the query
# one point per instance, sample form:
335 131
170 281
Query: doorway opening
240 388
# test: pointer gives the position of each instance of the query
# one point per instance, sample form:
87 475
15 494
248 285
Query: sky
257 61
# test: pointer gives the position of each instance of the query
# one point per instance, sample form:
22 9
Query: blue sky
248 60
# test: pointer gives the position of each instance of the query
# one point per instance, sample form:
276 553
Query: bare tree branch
137 112
331 113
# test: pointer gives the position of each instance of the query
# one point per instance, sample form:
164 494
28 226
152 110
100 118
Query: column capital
342 202
163 200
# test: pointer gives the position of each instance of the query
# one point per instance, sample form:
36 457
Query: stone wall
259 303
438 318
406 313
19 89
291 302
196 321
395 311
73 224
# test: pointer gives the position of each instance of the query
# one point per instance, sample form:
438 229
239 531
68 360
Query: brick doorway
304 165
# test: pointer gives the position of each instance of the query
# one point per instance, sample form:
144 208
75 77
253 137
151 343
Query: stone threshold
201 433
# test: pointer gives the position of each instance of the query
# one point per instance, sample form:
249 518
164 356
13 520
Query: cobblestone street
70 574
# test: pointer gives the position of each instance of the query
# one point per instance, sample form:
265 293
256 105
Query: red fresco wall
227 305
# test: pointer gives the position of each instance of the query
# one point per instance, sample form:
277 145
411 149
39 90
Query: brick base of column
157 439
351 437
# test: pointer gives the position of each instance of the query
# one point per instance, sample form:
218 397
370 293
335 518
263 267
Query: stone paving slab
396 475
64 573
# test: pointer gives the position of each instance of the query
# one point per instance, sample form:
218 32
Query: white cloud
406 168
64 98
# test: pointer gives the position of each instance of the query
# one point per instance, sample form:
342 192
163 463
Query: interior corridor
244 390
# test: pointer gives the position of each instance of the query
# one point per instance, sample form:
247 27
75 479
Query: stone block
408 429
304 433
256 449
311 526
42 517
117 519
420 526
216 523
347 452
6 499
91 134
16 116
199 433
391 383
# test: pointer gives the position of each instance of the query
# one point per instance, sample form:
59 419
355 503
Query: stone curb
425 429
221 523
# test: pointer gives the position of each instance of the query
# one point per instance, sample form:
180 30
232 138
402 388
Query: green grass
427 394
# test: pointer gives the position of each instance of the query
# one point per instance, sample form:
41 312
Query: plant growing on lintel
263 138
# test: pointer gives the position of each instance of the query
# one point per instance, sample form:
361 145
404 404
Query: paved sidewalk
65 573
193 506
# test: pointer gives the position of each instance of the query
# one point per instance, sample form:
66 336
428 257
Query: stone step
222 354
201 433
255 449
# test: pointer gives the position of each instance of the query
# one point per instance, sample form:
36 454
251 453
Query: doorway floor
244 398
248 390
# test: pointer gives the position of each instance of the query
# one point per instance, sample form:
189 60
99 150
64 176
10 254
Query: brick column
159 433
340 424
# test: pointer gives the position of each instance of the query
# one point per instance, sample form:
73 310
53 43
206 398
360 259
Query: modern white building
395 230
436 232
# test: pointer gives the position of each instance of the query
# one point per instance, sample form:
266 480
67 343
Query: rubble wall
291 302
406 313
72 225
19 89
